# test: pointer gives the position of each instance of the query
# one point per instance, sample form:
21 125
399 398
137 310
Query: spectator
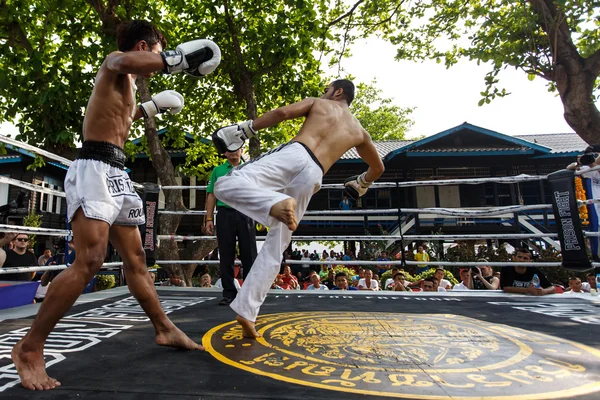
429 284
591 282
288 281
174 280
465 276
397 284
5 238
443 283
305 269
332 256
482 278
324 272
43 259
345 203
383 267
316 283
341 282
574 287
422 256
330 281
390 280
314 256
19 256
519 279
276 283
368 283
359 275
206 281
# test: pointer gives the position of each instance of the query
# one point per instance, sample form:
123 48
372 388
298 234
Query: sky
445 98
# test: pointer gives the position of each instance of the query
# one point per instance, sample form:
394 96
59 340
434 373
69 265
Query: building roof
545 145
558 142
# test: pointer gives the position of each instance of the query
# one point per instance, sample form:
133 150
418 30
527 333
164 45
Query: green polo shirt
218 172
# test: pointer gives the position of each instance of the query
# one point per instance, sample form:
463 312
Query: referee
231 225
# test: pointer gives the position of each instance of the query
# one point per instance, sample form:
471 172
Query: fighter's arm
232 137
292 111
367 151
134 62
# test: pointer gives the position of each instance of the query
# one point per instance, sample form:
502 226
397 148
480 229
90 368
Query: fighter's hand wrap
356 186
197 58
169 100
232 137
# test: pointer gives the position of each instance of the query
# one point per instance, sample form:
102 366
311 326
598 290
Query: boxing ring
322 344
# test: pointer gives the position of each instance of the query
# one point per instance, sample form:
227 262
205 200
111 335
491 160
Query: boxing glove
232 137
169 100
356 186
197 58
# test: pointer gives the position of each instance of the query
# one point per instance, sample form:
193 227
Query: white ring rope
30 230
111 265
31 186
441 182
358 238
63 232
25 146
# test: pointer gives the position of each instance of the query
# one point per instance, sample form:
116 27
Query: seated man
316 283
443 283
429 284
520 279
398 284
290 282
465 276
368 283
575 287
341 282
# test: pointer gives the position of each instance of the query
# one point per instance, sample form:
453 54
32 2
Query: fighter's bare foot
248 328
32 369
176 338
285 211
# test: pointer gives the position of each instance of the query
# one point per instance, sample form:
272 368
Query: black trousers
232 225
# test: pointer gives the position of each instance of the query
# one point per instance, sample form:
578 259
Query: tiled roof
383 148
558 142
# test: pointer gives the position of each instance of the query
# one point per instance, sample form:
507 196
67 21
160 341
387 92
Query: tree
379 117
556 40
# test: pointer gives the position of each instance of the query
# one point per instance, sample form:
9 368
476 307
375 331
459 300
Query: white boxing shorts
98 183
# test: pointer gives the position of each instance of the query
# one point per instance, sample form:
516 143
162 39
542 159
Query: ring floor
321 345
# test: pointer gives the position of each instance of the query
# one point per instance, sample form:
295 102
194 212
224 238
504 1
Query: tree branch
346 15
592 63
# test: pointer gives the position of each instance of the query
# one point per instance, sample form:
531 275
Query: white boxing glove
356 186
232 137
197 58
169 100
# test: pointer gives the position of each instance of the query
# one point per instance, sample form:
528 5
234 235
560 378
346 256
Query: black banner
566 215
149 230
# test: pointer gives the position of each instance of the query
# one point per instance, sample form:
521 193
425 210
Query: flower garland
580 194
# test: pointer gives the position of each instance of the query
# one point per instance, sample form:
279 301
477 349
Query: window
48 202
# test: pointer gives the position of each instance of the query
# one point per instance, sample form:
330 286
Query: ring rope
31 186
111 265
63 232
388 237
441 182
36 150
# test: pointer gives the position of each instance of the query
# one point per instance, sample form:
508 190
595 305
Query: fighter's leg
128 242
266 266
90 237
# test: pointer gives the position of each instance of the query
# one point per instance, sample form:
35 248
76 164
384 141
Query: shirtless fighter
102 204
275 188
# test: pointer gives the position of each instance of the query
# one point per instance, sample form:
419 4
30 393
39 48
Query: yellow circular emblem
430 356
